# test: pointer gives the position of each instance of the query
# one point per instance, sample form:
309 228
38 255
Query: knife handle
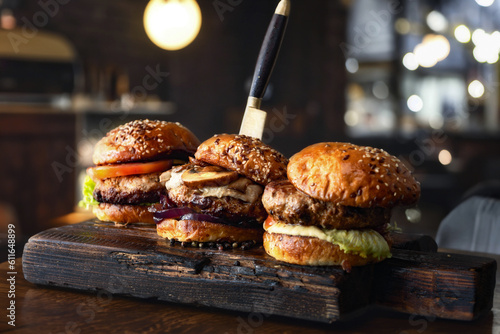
269 50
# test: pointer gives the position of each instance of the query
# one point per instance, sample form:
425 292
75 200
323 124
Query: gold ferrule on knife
254 102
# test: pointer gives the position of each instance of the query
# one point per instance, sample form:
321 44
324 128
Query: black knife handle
268 54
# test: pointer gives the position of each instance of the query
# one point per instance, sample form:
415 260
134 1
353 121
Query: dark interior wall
37 178
208 80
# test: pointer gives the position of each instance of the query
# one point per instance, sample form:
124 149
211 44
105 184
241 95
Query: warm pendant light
172 24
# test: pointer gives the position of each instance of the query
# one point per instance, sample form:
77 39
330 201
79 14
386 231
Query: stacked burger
125 182
215 200
335 206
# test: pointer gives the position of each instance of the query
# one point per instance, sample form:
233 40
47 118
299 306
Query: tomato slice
134 168
269 222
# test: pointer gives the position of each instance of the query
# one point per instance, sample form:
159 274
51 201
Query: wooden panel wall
208 79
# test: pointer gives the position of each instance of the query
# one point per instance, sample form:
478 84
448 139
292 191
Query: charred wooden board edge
444 285
151 281
143 265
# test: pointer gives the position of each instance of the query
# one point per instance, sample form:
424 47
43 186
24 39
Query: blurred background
418 78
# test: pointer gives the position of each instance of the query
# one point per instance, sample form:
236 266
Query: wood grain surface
134 261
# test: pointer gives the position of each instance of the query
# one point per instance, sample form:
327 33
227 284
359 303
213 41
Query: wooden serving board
134 261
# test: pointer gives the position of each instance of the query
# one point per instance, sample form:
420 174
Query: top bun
144 140
353 175
246 155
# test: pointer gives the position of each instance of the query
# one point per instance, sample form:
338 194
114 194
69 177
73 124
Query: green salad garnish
87 191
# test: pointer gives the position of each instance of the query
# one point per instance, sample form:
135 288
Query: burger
215 199
335 206
125 181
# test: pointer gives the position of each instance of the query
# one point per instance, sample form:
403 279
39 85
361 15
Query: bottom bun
123 214
311 251
201 231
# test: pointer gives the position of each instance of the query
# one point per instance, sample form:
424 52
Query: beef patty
132 189
231 209
286 203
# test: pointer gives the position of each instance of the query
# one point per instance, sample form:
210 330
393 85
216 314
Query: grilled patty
287 204
132 189
228 208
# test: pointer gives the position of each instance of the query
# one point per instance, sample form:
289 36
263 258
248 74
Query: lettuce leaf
394 228
87 192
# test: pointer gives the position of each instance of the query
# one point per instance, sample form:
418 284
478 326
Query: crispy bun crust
123 214
310 251
246 155
200 231
143 140
353 175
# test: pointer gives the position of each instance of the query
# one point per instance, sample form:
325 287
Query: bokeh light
462 34
476 89
415 103
445 157
172 25
410 61
436 21
351 65
485 3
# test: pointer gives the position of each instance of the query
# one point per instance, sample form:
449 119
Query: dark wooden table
40 309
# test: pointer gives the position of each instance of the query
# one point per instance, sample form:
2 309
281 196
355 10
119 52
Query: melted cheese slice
361 242
251 192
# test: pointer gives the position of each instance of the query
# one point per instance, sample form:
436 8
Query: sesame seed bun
246 155
311 251
290 244
123 214
144 140
201 231
352 175
126 198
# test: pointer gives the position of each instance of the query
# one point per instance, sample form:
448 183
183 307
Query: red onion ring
203 217
185 213
158 216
